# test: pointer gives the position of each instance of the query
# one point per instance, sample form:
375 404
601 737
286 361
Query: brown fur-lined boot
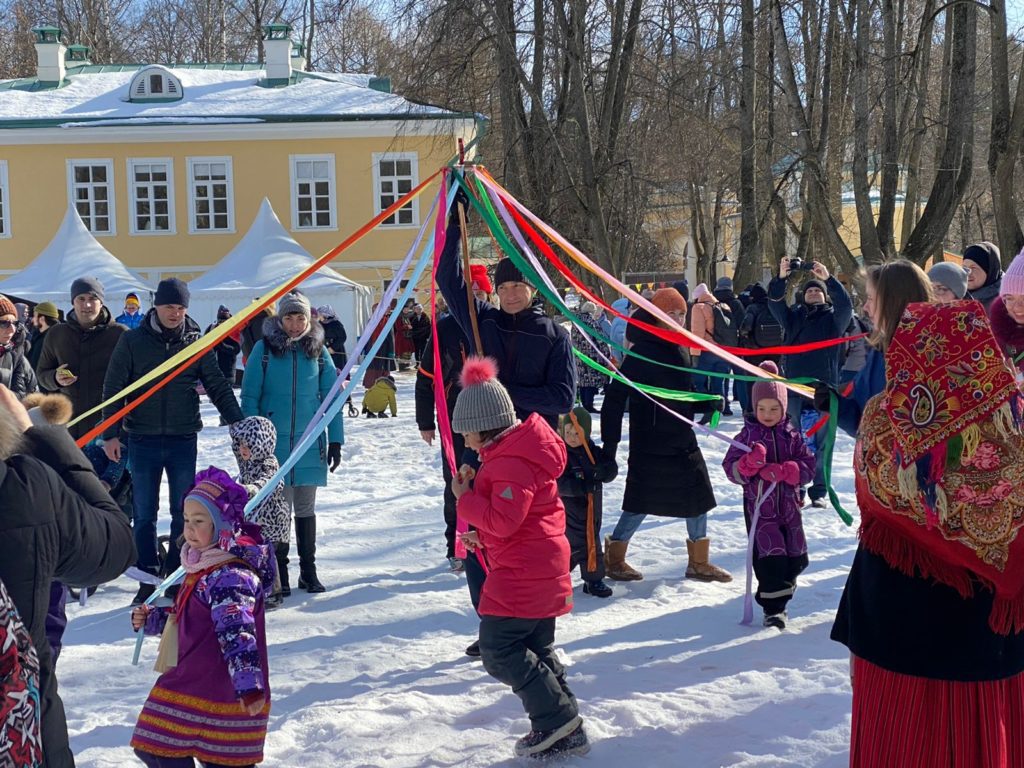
698 566
615 564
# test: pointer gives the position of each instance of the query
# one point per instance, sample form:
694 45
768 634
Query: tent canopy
262 260
75 253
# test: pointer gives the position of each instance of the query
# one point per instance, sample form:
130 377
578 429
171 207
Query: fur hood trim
312 344
10 435
46 409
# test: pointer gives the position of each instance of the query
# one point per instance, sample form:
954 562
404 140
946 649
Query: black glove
334 456
823 396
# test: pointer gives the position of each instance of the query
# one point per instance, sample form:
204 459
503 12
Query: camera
798 265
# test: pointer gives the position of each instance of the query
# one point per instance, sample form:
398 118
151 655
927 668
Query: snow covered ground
372 672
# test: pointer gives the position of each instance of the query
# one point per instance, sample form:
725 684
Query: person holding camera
823 312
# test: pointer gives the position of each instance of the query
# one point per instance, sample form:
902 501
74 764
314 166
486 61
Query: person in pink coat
512 502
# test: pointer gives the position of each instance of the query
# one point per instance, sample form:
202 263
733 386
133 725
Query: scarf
940 460
196 560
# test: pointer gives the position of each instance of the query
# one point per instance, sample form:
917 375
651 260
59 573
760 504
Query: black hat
171 290
82 285
814 283
986 255
507 272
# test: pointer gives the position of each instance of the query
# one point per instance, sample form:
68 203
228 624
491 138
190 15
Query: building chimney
298 57
50 52
277 54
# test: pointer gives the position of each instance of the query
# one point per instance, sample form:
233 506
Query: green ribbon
490 217
666 394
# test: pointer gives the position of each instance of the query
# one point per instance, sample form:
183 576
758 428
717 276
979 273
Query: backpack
765 330
725 331
19 685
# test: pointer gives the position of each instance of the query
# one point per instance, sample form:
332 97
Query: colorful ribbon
192 353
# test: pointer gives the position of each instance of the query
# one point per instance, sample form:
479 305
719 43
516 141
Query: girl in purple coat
778 455
213 703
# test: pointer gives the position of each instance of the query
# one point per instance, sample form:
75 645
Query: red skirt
901 721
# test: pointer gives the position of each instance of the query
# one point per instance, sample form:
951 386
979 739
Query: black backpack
725 332
761 329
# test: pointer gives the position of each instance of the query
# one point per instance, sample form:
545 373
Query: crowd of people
933 617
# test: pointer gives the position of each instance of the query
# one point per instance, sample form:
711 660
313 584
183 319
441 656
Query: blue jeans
712 385
796 406
629 522
149 456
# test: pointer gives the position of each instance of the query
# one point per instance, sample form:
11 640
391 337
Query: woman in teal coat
287 376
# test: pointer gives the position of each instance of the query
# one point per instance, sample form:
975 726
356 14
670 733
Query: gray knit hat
483 404
294 303
87 284
951 275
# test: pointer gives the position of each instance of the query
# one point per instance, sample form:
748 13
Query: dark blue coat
803 324
534 354
454 348
869 382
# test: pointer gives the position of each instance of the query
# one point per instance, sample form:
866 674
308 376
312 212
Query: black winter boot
281 554
305 533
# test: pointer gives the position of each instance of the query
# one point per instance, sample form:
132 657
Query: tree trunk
953 173
1006 135
750 246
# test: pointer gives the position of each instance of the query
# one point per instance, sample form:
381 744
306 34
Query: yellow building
168 165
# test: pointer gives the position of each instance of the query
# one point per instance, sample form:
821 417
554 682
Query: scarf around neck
196 560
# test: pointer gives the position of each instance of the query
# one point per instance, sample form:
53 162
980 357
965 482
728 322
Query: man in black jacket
420 322
227 349
76 354
56 522
534 354
160 434
44 317
823 314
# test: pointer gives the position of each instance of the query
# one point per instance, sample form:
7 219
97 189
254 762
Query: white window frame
172 228
5 202
413 158
293 160
191 162
111 207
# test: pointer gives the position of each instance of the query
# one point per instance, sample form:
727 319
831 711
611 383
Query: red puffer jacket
516 509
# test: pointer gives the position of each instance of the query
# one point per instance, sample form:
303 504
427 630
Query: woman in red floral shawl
933 609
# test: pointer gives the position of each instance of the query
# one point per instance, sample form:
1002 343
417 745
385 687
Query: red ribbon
663 333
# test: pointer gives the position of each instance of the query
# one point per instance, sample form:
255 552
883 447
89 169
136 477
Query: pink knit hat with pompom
1013 278
769 389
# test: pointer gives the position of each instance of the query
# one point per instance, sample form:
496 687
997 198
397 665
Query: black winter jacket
15 370
803 324
86 353
455 347
666 471
174 410
56 522
534 354
334 339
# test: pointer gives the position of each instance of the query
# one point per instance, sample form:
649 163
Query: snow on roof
73 253
208 93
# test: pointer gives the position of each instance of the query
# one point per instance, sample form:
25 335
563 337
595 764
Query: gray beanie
82 285
951 275
294 304
483 404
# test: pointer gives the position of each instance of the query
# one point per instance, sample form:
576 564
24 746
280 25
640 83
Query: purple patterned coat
193 709
780 529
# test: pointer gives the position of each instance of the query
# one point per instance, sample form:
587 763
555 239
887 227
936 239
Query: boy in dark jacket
587 468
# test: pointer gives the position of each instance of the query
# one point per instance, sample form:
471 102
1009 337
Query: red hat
478 277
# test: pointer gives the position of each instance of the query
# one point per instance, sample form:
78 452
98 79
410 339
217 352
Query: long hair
896 283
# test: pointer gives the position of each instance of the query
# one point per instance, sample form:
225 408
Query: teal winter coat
286 382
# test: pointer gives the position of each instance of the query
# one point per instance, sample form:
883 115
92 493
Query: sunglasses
8 323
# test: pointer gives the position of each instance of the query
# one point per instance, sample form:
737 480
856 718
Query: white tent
75 253
262 260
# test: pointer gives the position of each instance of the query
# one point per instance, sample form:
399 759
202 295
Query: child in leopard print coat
253 440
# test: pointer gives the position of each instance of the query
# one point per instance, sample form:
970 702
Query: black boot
281 553
305 533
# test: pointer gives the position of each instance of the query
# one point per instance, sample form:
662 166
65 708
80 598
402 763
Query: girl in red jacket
512 501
